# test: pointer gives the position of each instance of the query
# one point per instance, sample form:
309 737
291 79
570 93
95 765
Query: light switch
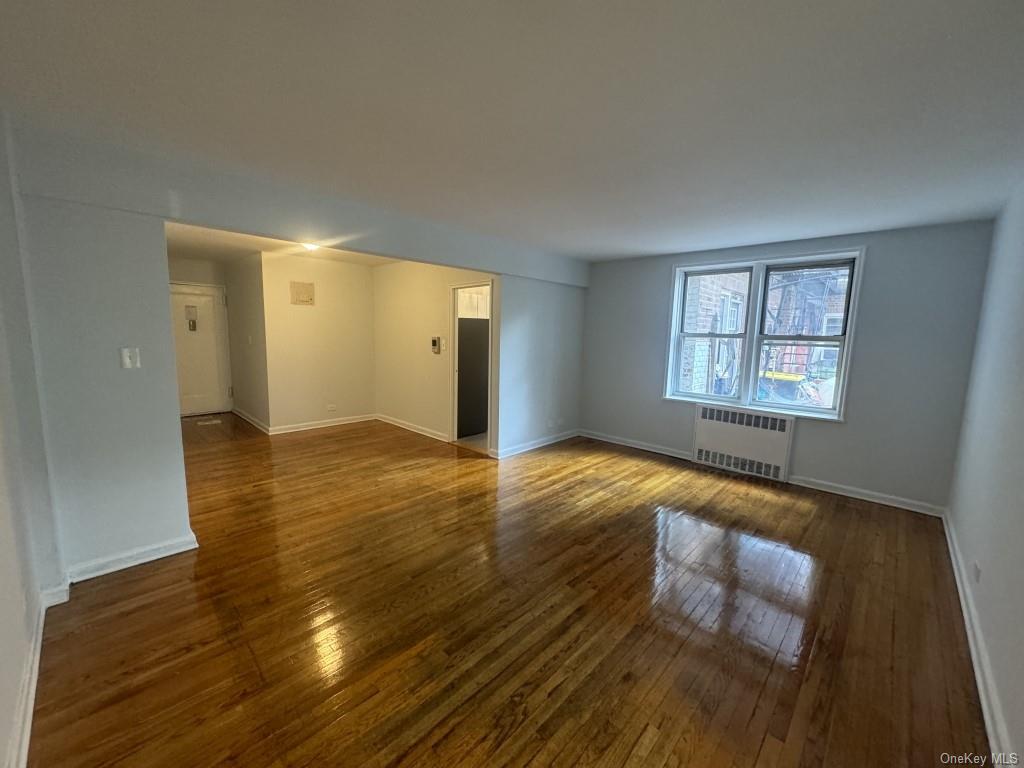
130 357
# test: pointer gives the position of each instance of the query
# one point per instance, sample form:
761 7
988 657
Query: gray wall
247 337
919 303
29 553
180 188
99 281
25 426
987 509
539 361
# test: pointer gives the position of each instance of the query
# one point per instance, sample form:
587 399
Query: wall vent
743 441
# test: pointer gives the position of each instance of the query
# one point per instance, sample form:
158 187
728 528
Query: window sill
778 411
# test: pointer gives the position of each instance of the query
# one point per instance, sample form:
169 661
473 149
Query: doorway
471 307
199 319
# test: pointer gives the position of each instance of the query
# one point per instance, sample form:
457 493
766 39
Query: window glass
800 375
710 366
806 301
716 303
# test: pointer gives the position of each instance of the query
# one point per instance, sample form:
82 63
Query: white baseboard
652 447
504 453
17 746
442 436
104 565
821 485
303 426
261 426
913 505
55 595
995 720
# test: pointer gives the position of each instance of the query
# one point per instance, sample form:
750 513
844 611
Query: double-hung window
770 334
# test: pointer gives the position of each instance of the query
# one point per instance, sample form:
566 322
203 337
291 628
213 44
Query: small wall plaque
302 293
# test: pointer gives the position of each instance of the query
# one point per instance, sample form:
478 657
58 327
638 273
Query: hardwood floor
363 595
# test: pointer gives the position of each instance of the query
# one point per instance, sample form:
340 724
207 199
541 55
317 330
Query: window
784 351
713 324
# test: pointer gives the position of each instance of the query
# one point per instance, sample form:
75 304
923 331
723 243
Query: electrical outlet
331 408
976 572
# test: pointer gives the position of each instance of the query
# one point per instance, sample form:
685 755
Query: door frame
223 342
453 369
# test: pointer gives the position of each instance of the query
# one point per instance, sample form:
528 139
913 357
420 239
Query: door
474 361
199 316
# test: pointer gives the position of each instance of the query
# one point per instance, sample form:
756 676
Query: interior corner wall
987 510
321 355
919 301
28 549
247 338
25 426
98 280
412 303
540 362
19 593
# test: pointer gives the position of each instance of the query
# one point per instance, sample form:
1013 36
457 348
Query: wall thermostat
435 345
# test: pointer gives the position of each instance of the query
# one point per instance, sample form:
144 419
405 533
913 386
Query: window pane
809 301
716 303
801 375
710 366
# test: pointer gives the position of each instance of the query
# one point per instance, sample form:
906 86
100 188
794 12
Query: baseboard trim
652 447
504 453
17 747
995 720
913 505
408 425
104 565
264 428
303 426
807 482
55 595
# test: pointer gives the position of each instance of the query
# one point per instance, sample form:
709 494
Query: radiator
749 442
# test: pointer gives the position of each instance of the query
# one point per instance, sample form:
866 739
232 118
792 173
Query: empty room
526 384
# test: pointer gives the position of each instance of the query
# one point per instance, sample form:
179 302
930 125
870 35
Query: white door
199 316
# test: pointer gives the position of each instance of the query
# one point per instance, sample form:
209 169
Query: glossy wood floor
363 595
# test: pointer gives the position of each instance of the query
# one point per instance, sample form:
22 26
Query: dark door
473 341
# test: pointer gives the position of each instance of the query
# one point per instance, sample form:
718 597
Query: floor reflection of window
752 582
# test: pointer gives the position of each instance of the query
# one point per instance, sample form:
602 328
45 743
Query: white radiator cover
738 440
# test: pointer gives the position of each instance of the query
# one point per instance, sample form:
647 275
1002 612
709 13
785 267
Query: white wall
318 355
474 302
919 303
25 426
412 303
987 509
247 337
19 595
205 271
28 551
540 362
99 280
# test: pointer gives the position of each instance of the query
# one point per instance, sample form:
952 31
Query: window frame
681 335
753 337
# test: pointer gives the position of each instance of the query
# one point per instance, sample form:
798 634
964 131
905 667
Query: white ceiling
188 242
590 127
